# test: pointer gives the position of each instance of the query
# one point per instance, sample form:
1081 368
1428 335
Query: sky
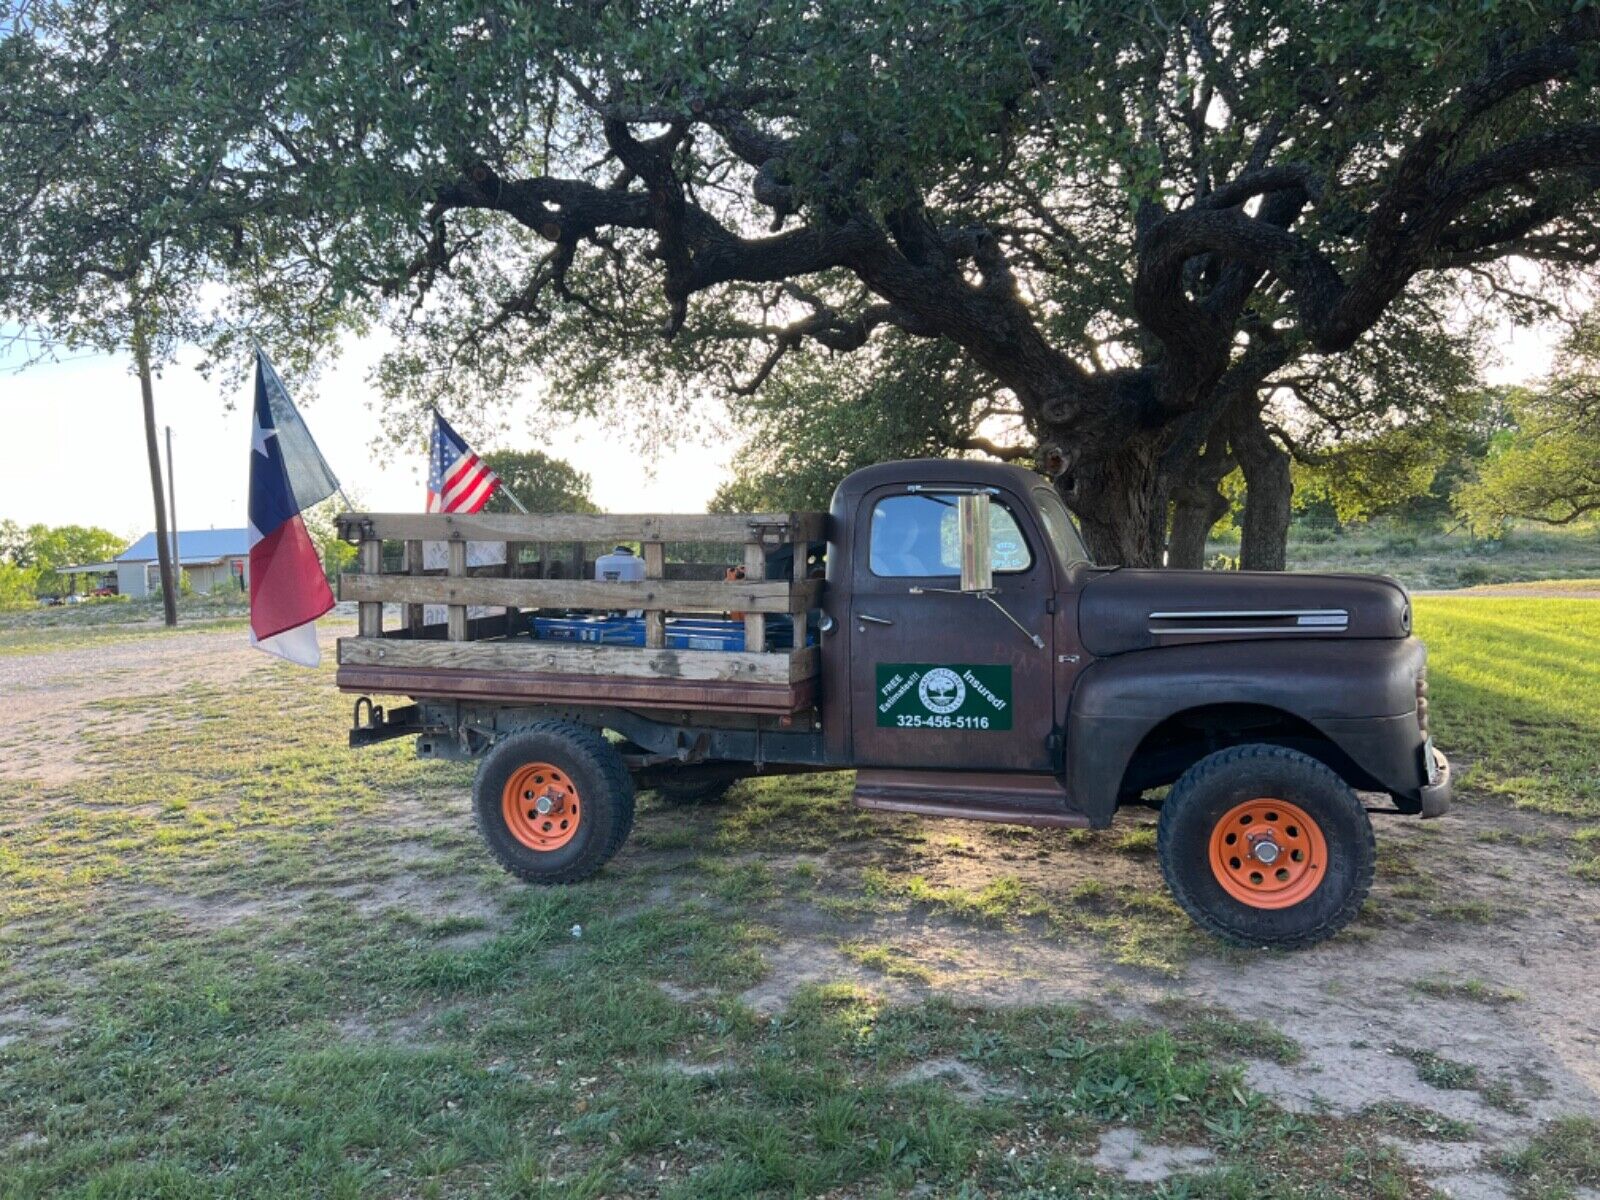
72 443
72 447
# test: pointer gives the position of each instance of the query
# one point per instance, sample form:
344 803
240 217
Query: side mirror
972 519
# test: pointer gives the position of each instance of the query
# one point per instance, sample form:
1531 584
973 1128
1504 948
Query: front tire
553 802
1265 846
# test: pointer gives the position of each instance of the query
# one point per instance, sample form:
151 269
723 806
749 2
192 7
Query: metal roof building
209 557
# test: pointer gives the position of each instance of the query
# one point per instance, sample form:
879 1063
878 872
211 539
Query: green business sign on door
943 696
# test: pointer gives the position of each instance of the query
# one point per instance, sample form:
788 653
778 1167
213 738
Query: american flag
458 480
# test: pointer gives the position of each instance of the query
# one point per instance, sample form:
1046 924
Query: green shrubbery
31 557
17 586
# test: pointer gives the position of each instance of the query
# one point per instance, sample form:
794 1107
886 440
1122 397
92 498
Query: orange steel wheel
1268 853
540 806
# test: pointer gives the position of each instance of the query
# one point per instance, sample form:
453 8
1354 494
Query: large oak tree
1147 225
117 234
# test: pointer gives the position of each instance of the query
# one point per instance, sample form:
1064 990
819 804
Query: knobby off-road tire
1281 805
682 795
553 802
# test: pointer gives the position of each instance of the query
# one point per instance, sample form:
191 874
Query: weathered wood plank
755 624
547 657
414 615
523 687
670 595
586 527
655 621
457 619
369 616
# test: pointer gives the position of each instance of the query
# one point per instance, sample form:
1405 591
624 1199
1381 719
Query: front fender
1360 694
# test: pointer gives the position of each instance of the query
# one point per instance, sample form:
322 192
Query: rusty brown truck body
945 636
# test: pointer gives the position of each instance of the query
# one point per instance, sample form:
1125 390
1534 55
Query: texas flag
288 590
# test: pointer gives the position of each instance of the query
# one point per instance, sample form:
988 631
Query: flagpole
511 496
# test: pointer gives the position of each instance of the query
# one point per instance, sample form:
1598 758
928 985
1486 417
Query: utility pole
172 512
141 359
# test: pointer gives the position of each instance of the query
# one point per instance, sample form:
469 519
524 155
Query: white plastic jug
622 565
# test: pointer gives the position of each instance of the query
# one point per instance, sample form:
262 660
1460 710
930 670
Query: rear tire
553 802
1265 846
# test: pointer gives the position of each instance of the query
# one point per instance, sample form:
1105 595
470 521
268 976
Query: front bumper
1436 796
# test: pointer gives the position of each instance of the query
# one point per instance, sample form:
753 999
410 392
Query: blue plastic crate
682 633
705 635
609 631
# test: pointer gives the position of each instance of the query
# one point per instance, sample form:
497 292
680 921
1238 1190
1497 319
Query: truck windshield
1058 525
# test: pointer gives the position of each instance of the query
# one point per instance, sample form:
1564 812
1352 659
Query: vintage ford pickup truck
940 631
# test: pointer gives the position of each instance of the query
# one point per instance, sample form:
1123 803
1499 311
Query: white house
211 558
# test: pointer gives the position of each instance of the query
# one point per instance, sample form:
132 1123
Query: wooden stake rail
662 595
770 529
408 652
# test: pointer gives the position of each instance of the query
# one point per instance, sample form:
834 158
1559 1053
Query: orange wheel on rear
1268 853
540 806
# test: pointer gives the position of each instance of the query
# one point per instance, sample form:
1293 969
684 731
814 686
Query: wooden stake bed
496 658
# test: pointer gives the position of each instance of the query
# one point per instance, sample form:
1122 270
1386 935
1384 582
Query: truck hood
1125 609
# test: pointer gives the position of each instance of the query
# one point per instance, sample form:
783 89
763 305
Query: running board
1015 799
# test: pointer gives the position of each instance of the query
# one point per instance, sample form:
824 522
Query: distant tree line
30 558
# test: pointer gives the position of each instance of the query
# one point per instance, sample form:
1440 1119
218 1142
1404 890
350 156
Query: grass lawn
1515 684
103 622
237 959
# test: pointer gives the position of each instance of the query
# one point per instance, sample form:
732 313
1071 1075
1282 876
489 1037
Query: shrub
17 586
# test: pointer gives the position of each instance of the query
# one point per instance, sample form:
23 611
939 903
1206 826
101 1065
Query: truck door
941 678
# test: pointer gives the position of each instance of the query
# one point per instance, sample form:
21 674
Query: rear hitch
381 726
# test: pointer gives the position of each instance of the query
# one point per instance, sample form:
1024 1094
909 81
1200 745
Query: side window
917 536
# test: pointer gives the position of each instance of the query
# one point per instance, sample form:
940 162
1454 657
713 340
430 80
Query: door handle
872 620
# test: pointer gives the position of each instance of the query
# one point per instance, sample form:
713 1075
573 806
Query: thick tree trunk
1110 489
141 358
1196 508
1269 491
1197 505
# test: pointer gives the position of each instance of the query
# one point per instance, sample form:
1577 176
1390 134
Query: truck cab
972 662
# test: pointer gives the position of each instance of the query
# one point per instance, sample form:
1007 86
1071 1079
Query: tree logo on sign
941 691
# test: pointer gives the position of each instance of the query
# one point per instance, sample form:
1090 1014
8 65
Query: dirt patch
209 912
52 694
409 1030
685 995
1124 1151
418 897
799 962
20 1023
1483 959
695 1070
965 1080
1352 1002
